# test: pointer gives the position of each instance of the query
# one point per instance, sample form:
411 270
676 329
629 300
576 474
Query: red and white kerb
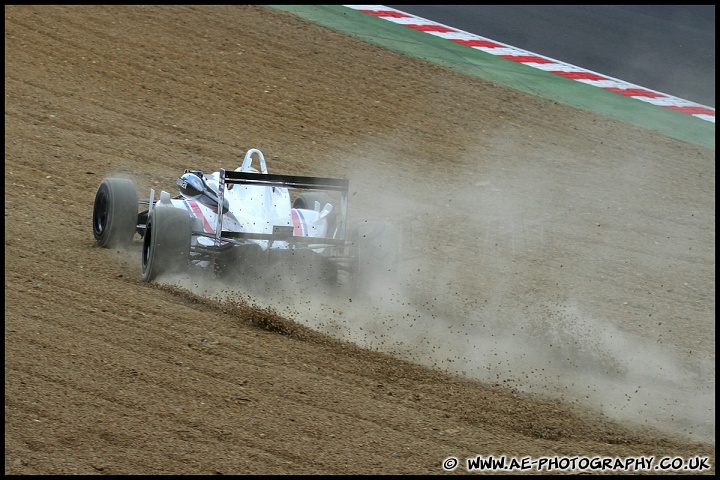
538 61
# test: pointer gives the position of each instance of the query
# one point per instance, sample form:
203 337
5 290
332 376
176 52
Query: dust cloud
502 280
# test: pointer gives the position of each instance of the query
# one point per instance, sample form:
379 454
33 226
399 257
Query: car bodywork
240 221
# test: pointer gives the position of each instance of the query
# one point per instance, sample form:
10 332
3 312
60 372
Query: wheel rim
101 213
147 240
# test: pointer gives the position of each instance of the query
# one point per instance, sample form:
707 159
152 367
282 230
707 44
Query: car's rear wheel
375 246
115 213
166 244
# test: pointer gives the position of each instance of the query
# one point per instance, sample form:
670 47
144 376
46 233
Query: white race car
240 222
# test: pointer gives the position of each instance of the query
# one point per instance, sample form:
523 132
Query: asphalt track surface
668 48
469 61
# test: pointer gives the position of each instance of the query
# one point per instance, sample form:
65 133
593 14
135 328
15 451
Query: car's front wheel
306 200
166 244
115 213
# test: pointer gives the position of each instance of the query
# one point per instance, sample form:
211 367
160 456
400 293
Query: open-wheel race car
242 222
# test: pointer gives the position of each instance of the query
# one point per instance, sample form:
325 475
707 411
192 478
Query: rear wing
230 177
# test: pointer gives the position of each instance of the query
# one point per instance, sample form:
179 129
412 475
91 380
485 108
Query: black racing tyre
306 201
376 252
115 213
166 244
